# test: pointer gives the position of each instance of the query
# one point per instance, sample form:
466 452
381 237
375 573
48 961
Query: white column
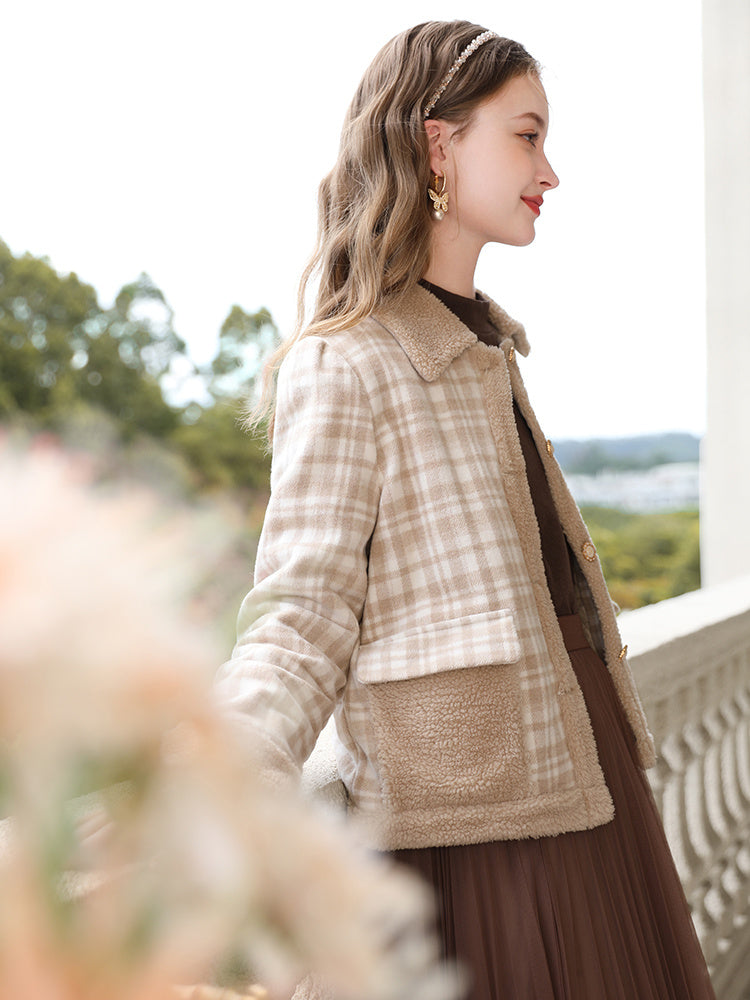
725 501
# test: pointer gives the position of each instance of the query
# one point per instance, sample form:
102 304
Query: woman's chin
519 240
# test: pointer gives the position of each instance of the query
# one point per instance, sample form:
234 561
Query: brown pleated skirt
592 915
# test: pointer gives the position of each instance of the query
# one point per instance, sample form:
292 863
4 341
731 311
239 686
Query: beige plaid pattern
400 543
471 641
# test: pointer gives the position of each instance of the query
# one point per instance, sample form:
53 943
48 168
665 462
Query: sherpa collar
432 336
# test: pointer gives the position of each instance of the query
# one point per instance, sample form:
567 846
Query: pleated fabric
593 915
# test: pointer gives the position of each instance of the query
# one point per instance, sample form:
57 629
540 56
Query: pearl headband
469 50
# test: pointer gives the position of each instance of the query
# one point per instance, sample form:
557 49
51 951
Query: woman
424 573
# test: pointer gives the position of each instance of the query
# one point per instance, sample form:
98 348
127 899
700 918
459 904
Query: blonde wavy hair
374 214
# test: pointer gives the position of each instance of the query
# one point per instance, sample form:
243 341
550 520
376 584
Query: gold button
511 354
588 550
623 652
550 448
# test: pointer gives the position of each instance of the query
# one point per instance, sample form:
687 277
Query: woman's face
497 172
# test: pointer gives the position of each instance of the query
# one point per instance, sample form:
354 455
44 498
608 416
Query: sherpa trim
432 336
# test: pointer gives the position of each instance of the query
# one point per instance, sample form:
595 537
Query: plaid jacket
399 584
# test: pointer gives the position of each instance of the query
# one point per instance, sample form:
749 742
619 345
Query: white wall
725 501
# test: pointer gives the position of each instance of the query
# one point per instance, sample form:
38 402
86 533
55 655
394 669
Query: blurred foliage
67 364
646 557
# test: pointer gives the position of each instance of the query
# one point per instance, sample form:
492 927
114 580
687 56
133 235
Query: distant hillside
626 454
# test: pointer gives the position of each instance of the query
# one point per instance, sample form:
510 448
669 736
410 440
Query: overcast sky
187 140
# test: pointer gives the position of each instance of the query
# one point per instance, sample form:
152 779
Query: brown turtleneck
475 313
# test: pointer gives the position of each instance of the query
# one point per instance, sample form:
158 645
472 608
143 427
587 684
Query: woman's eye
531 136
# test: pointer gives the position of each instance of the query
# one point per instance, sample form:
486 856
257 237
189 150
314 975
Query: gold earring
439 197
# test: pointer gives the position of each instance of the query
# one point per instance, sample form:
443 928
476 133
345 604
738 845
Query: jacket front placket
595 607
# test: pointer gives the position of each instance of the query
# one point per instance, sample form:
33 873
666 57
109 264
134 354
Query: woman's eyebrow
541 122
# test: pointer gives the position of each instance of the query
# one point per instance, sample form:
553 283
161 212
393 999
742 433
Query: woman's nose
547 176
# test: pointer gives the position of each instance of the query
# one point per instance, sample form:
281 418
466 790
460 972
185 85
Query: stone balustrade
691 658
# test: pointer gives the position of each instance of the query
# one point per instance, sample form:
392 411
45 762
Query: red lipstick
535 204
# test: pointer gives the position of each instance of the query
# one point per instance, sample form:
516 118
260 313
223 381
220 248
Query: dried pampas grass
143 851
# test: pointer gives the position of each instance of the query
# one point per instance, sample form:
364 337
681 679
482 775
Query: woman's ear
438 137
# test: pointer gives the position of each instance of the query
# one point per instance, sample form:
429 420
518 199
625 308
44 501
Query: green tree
142 322
59 350
65 361
646 557
212 439
245 339
219 452
130 350
44 321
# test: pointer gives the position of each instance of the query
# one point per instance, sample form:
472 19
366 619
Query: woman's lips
535 204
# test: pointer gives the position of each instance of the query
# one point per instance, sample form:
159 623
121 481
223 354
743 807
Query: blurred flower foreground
139 853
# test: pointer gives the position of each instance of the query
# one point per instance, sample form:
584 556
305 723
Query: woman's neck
451 266
451 280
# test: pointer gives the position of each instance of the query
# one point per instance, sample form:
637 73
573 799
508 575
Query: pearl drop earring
439 197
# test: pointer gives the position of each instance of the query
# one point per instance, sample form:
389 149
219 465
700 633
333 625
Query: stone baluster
692 664
720 768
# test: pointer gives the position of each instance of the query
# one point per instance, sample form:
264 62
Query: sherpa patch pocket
446 704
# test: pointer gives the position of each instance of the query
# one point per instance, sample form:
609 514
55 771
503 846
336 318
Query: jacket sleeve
299 625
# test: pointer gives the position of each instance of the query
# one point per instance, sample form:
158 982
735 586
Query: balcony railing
691 658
